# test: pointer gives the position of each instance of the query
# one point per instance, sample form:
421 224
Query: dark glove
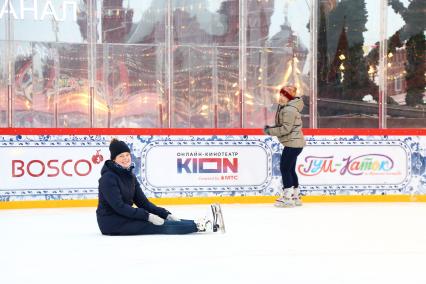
266 130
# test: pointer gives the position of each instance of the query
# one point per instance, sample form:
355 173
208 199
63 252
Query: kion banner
205 165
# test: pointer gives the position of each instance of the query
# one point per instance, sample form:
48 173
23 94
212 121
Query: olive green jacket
288 124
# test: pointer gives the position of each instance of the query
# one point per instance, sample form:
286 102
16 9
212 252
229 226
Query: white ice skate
286 199
296 197
204 224
218 221
284 202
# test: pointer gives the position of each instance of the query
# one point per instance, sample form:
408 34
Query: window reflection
3 30
205 69
228 112
3 85
347 90
205 87
46 21
130 79
406 62
192 87
133 21
205 22
218 68
50 85
130 86
73 95
277 53
36 67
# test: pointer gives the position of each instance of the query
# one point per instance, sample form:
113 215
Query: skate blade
280 204
214 221
220 220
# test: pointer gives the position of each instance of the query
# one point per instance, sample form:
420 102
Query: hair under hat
116 147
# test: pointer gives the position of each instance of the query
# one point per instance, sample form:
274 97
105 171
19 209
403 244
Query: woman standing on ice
119 190
288 129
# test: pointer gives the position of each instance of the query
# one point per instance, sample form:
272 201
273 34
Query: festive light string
185 70
136 55
130 62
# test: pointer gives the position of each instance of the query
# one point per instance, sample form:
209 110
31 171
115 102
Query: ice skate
284 202
286 199
204 225
218 222
297 201
296 197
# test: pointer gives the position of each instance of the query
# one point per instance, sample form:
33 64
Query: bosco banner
38 167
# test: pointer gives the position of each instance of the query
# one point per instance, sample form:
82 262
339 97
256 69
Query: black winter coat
119 190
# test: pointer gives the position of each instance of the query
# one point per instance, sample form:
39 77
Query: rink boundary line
219 199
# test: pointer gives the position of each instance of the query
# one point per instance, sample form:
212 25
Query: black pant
288 166
115 225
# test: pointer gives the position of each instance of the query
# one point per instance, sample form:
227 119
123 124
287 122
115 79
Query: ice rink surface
317 243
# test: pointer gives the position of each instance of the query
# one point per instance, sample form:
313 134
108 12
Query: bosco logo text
51 168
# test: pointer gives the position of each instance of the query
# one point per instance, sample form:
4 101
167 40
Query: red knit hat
289 92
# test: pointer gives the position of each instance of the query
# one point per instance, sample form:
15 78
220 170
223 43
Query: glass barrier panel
348 34
47 21
3 85
133 21
36 84
278 43
130 86
205 22
192 99
73 102
205 87
406 64
225 83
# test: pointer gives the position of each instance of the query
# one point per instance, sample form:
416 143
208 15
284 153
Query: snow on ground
317 243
